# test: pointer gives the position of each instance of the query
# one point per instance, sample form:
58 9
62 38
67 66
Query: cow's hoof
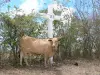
28 65
20 64
45 67
54 63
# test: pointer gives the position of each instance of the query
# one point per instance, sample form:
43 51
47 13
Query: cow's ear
50 40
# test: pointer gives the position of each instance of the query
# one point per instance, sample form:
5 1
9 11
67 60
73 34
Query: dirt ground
68 67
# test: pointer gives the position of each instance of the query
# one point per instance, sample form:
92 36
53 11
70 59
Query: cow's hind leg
25 59
21 57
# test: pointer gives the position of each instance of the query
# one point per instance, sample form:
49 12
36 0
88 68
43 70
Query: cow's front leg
51 61
45 61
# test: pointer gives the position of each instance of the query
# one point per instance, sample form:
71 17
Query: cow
45 47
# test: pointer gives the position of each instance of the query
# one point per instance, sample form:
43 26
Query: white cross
65 16
51 17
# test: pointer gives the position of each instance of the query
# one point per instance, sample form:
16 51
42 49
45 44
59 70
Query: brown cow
29 45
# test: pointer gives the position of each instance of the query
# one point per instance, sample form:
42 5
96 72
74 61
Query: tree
13 26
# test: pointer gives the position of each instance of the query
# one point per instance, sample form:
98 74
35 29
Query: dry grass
85 67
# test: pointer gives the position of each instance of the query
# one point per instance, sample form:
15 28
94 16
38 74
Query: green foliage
12 28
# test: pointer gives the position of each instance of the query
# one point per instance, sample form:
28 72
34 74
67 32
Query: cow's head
54 42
